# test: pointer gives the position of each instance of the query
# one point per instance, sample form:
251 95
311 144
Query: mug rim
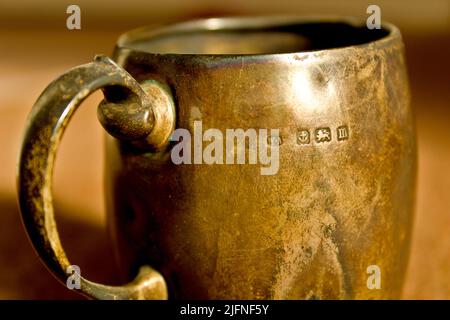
126 39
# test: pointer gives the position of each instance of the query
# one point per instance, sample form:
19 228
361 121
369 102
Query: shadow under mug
332 221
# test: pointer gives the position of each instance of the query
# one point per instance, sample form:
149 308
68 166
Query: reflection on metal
341 201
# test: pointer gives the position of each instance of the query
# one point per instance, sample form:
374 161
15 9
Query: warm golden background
36 47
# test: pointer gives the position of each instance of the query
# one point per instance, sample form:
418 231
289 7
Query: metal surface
343 197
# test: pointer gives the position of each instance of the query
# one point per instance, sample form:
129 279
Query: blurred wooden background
36 47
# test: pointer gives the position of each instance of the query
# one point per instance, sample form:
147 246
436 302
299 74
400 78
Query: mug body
329 219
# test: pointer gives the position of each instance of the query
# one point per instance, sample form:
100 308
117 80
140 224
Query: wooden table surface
31 59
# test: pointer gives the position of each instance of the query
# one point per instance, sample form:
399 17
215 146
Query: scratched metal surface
81 217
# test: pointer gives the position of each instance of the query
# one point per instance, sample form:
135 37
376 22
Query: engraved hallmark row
322 135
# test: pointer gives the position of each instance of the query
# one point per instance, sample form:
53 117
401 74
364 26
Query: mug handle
45 127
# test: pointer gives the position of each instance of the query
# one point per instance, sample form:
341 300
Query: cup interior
289 38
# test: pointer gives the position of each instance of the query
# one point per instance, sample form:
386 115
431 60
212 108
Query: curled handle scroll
128 113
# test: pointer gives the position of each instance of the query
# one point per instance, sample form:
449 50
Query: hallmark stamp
323 134
342 133
319 135
303 136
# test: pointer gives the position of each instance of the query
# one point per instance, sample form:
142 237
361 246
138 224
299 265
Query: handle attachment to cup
140 119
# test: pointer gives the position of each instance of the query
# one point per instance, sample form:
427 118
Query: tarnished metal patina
340 204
